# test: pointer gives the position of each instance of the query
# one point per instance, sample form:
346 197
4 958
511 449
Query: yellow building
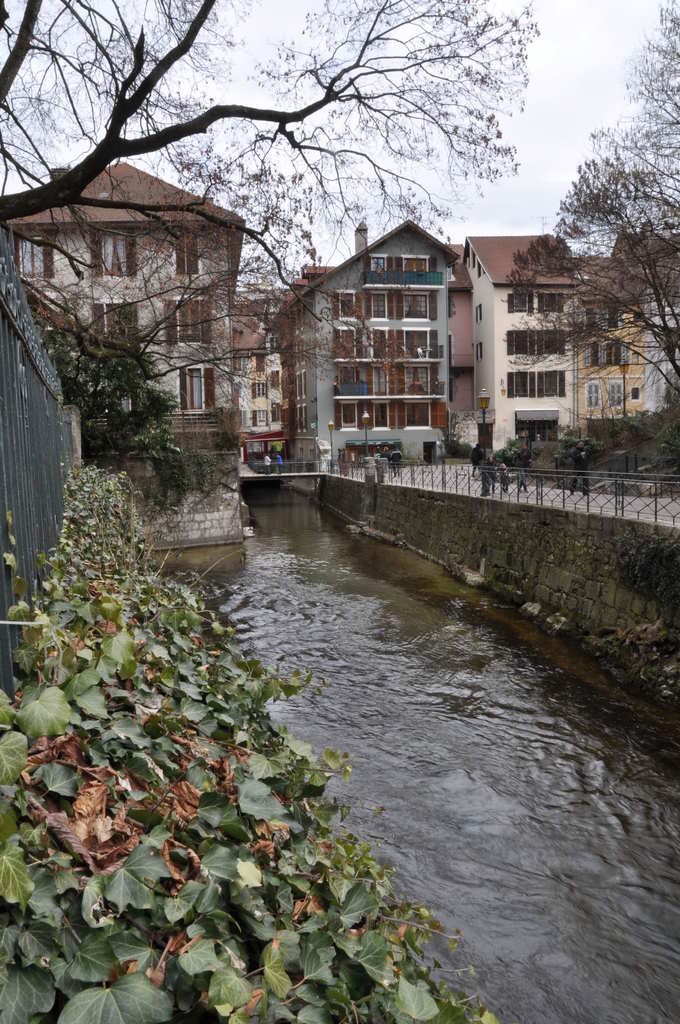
610 368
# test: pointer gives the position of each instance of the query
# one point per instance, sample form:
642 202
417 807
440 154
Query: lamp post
484 400
623 367
331 428
364 419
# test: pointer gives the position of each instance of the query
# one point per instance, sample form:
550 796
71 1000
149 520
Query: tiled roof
123 182
497 256
460 278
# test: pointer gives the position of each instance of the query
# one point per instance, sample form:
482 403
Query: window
615 393
379 344
186 255
415 344
417 414
479 350
380 414
379 306
452 304
197 387
244 418
32 259
416 380
245 364
115 318
349 414
543 384
518 384
259 362
474 261
276 412
346 304
536 343
520 301
189 322
550 302
591 354
478 313
259 389
635 394
274 378
593 400
113 254
261 417
416 263
416 306
479 269
378 264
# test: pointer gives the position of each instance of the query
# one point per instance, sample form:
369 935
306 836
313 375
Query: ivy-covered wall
188 500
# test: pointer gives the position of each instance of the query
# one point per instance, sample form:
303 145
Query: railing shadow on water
635 496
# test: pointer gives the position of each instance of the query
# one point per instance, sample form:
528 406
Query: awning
537 414
372 442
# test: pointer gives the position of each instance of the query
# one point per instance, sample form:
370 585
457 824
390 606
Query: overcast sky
577 70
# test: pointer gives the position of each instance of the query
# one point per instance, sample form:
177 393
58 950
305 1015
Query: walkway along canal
518 793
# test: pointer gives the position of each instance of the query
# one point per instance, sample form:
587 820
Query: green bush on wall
652 566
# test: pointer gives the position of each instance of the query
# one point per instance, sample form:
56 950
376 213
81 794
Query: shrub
165 848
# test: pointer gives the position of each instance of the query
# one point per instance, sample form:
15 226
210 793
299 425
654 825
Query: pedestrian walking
523 463
504 478
488 477
395 461
476 457
267 464
279 462
579 458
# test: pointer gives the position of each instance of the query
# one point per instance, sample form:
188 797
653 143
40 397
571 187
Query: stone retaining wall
563 567
210 515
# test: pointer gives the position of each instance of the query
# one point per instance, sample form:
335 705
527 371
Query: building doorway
429 451
485 441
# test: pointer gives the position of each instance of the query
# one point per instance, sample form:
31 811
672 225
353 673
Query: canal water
518 793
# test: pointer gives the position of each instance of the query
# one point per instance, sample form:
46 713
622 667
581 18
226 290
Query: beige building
520 353
159 288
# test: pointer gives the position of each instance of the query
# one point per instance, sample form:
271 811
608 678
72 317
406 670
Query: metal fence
627 495
35 452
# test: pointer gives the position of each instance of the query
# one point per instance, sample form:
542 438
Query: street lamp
484 400
623 367
364 419
331 428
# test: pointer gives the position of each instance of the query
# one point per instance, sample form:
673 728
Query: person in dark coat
488 477
395 461
579 458
476 457
523 463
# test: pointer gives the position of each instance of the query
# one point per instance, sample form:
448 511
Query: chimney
361 237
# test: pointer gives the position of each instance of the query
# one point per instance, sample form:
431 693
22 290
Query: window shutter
511 302
399 380
253 418
182 388
209 387
180 256
511 343
335 306
389 263
511 385
434 343
433 305
540 384
399 306
96 253
17 251
562 384
540 302
337 416
170 321
191 243
433 264
530 302
48 261
130 255
532 385
206 324
391 315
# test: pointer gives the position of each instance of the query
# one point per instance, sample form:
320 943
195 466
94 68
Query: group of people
278 459
490 471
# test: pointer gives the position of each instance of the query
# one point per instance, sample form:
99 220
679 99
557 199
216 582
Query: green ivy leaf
314 1015
94 959
118 648
275 973
28 990
132 1000
372 955
7 712
15 885
128 886
415 1000
13 754
360 903
258 800
200 958
48 715
228 990
58 778
220 861
318 954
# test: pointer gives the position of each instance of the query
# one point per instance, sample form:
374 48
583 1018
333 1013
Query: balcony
352 390
425 352
399 278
